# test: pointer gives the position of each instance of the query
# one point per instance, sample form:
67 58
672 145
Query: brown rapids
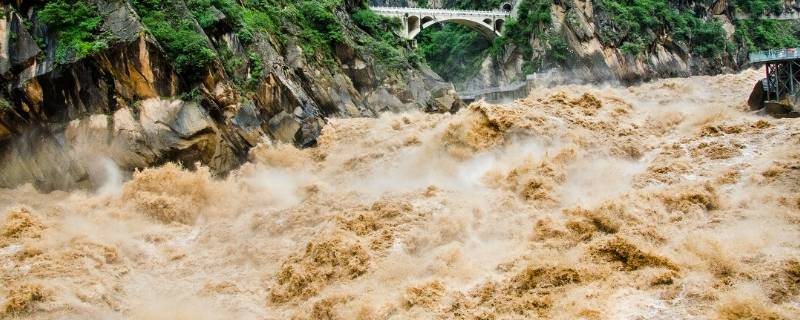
660 201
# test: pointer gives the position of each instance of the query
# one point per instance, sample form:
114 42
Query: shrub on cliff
181 29
707 38
76 24
533 21
319 26
761 34
633 26
758 7
384 44
206 12
370 21
176 34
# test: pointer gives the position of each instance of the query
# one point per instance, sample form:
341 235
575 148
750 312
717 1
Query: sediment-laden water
660 201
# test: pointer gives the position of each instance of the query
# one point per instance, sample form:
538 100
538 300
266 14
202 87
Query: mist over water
659 201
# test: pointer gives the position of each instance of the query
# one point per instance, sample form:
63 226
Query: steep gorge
269 159
624 41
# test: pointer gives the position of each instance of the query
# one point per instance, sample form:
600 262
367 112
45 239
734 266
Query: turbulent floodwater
661 201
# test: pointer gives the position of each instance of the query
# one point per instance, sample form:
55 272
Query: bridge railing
773 55
402 10
510 87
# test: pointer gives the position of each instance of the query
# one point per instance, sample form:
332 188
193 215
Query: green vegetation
533 20
707 38
206 12
256 68
176 25
559 49
245 20
634 25
313 22
633 48
230 62
630 21
759 34
189 49
5 105
373 23
319 28
383 44
455 52
758 7
76 23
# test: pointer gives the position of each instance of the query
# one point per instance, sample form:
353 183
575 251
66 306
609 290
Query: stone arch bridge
488 23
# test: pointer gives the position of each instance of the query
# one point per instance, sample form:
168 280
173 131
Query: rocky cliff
584 52
134 89
633 41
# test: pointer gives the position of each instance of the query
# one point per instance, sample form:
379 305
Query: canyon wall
591 59
129 102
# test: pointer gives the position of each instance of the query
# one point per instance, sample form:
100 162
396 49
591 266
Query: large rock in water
129 104
756 99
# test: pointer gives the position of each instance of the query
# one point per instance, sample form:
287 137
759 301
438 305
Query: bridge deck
775 55
423 11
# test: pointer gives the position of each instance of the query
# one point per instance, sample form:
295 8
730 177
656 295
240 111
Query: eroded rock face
129 104
151 132
19 47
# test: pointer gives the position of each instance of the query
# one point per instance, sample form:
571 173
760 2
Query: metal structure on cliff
783 72
414 20
778 92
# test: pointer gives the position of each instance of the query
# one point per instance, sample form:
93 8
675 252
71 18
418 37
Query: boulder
757 96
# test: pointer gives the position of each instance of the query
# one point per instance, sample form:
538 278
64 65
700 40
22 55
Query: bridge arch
489 28
485 29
